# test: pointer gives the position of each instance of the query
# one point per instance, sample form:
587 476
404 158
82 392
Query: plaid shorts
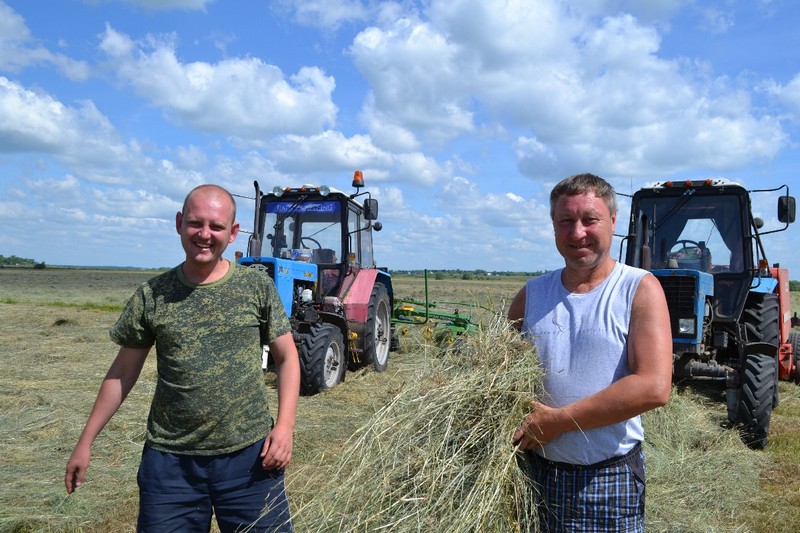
603 497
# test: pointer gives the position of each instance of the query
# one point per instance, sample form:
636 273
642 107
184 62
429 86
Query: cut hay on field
700 477
53 363
439 456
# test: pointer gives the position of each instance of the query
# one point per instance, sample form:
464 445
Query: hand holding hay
538 428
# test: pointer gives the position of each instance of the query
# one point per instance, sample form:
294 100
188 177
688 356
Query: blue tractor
316 244
730 312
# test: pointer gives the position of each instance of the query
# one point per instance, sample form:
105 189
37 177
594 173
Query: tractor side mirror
370 209
786 209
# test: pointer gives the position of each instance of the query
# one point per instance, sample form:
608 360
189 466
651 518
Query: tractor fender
336 320
356 301
764 348
765 285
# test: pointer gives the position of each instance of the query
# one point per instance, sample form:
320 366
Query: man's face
584 230
206 228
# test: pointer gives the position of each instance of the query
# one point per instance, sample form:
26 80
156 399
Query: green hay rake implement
443 321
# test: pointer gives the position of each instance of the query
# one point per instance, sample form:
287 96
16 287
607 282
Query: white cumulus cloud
245 98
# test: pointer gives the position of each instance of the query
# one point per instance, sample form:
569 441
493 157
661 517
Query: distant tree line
14 261
458 273
479 274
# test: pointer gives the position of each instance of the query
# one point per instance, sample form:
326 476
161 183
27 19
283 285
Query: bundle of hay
439 456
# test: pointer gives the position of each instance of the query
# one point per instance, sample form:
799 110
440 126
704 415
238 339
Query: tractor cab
701 230
317 233
307 231
704 227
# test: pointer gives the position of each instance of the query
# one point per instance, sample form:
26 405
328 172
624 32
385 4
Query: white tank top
581 343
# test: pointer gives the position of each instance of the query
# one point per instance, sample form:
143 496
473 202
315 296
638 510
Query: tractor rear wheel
322 359
378 329
761 319
759 380
794 341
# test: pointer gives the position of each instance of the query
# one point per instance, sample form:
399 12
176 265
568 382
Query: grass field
54 331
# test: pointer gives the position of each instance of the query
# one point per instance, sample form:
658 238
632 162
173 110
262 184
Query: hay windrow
698 474
439 456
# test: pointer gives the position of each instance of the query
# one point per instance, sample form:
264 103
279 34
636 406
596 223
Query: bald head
211 192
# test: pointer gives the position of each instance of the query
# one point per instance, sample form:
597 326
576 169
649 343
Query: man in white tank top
602 335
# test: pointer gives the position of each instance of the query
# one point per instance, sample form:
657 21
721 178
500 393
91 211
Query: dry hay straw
53 363
700 477
439 456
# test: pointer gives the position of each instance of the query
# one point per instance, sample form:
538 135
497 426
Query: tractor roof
323 190
685 184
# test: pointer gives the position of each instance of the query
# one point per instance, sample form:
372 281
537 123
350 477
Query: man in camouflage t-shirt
212 445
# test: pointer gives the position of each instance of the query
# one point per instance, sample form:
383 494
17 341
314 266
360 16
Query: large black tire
761 318
378 329
759 380
794 340
322 359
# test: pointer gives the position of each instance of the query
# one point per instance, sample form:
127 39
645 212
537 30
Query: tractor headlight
686 326
324 190
277 191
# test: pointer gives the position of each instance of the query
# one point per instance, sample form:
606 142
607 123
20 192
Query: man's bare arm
119 381
516 311
277 451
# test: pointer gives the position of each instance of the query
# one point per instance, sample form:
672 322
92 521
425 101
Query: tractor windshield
698 232
305 231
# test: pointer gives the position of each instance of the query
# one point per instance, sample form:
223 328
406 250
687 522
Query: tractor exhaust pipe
254 244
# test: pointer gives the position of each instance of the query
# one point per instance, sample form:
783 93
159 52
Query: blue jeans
180 492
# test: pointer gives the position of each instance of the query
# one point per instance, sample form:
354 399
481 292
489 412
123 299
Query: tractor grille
680 292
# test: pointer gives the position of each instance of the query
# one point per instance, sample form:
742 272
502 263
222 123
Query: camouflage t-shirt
210 396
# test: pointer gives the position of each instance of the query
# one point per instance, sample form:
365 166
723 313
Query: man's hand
77 466
540 427
277 450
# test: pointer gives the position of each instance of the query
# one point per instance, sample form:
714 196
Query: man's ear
234 232
178 221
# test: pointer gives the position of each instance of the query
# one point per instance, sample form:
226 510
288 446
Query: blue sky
462 114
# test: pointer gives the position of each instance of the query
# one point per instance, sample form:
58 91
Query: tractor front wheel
322 359
378 329
756 399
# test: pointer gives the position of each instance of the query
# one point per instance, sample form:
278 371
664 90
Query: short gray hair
584 184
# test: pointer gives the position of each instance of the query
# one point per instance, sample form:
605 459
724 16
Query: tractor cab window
698 232
308 231
360 240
